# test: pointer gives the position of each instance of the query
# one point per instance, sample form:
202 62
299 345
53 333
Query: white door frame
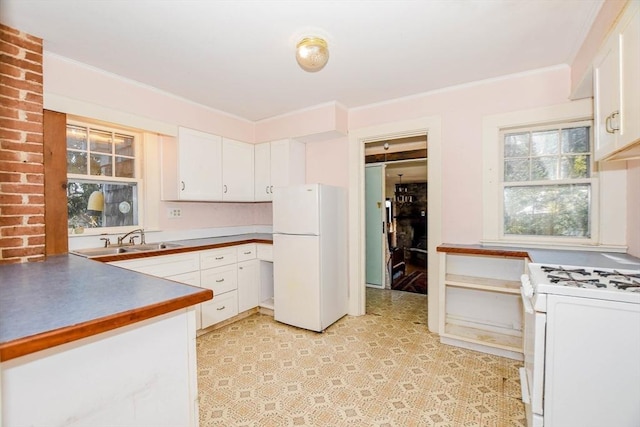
357 138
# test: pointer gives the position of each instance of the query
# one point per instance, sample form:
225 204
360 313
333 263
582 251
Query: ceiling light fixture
312 54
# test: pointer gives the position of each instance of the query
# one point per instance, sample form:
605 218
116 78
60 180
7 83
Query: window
102 176
547 183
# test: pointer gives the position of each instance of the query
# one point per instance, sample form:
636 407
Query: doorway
431 126
396 198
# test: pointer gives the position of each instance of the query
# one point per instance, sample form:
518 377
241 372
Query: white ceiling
238 55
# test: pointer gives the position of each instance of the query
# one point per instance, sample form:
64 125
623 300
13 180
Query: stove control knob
526 285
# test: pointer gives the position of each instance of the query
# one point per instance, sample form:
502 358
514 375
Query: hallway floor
381 369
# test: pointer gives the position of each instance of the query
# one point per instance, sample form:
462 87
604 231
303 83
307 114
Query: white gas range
582 346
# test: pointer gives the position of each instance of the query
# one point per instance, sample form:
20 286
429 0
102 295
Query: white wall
633 207
462 110
328 162
77 89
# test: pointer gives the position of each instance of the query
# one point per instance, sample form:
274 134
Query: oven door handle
526 302
526 290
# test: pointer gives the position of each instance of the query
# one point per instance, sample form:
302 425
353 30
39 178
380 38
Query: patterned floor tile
381 369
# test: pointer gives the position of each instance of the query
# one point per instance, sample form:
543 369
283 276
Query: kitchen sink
115 250
150 247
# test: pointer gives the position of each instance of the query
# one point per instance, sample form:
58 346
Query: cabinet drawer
246 252
164 265
218 257
220 308
191 278
265 252
220 280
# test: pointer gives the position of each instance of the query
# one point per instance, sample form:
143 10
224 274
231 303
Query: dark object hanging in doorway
414 282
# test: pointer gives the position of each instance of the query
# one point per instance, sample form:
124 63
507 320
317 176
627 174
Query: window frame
592 180
138 179
493 207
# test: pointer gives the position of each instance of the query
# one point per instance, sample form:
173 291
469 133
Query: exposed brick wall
21 148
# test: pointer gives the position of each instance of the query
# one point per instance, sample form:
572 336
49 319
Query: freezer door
296 210
296 281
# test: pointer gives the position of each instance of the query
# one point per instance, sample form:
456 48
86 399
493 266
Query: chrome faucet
132 238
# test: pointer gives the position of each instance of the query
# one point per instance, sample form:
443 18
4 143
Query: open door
375 226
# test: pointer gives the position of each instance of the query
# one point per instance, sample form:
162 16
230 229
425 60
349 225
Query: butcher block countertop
593 259
193 245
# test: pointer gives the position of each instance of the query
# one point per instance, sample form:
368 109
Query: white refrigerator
310 279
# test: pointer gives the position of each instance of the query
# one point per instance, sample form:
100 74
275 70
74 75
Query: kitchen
454 119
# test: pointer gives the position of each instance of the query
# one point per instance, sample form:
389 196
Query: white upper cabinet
192 166
278 164
237 171
262 172
203 167
617 90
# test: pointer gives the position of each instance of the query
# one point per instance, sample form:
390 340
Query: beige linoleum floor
381 369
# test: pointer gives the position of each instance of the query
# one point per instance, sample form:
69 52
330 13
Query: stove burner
616 273
565 277
561 269
589 282
577 282
625 285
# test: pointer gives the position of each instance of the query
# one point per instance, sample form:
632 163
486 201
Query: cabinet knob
225 188
182 182
266 189
219 280
219 257
221 308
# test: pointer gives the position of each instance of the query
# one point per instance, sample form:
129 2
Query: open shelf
483 337
483 283
481 305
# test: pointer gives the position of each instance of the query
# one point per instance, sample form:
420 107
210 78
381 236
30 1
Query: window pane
93 204
125 167
101 165
559 210
76 162
575 166
100 141
516 170
575 140
124 145
545 142
76 138
516 145
544 168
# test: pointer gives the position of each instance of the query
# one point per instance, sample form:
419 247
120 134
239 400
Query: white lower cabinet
235 274
143 374
218 272
265 252
191 278
164 265
220 279
221 307
248 285
248 277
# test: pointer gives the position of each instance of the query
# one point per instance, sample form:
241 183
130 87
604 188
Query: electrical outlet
174 213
